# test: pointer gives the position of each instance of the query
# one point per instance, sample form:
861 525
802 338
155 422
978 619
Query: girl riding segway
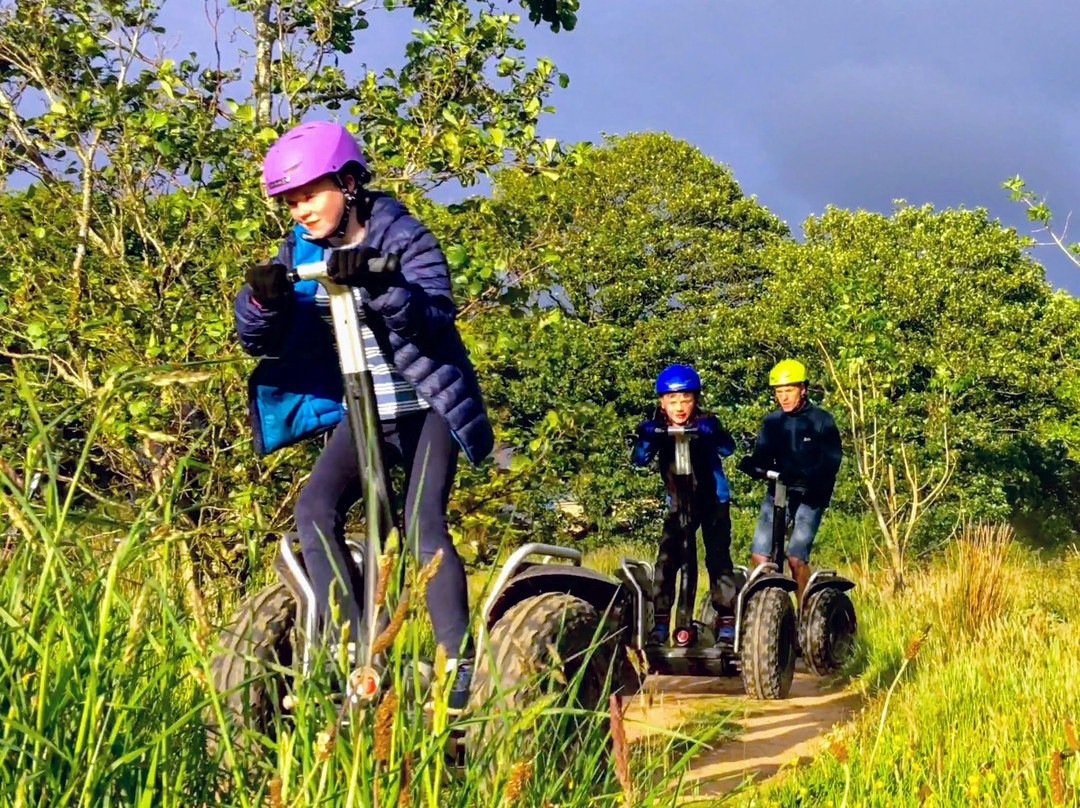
427 396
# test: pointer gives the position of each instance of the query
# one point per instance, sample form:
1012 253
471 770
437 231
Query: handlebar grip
309 272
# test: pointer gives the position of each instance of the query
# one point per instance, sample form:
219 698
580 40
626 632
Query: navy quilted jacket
415 318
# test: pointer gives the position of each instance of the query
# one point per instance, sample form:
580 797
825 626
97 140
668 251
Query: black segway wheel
537 651
768 644
828 631
258 639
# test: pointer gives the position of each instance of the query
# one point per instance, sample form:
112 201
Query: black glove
270 284
748 465
364 267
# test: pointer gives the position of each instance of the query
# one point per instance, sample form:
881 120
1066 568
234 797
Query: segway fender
759 583
825 580
593 587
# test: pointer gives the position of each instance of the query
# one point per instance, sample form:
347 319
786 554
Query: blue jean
806 519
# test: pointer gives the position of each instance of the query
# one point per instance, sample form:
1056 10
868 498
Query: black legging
424 443
678 549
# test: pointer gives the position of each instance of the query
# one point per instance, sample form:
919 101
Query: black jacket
804 446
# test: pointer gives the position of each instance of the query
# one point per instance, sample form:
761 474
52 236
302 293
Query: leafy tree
588 286
961 332
137 203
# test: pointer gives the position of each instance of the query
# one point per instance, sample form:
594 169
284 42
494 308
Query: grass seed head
324 743
1057 779
1070 735
384 725
520 775
916 643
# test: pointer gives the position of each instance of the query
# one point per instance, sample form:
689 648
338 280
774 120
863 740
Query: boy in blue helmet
698 496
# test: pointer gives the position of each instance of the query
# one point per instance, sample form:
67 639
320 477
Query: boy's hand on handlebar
269 282
749 466
708 427
365 267
651 428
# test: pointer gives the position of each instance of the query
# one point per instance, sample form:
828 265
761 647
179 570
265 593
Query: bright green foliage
605 275
644 252
144 206
976 717
959 329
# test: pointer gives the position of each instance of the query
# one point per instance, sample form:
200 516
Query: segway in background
826 622
756 640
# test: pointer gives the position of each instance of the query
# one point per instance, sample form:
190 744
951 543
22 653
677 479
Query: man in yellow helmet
800 440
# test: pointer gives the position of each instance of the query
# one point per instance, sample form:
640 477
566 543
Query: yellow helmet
787 371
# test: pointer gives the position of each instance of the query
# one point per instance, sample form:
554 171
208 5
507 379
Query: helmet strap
350 200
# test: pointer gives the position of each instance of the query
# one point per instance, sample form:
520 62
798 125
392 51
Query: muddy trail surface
771 734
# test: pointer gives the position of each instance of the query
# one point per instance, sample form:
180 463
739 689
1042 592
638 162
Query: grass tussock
980 709
106 688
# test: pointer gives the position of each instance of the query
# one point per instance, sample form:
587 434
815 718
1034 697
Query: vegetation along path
771 734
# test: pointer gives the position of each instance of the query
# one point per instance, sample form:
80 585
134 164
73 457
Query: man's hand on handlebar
749 465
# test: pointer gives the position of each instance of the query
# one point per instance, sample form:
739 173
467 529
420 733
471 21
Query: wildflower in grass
384 726
324 743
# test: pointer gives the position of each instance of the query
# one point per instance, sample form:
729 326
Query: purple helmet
307 152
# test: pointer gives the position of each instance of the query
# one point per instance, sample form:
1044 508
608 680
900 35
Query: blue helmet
676 379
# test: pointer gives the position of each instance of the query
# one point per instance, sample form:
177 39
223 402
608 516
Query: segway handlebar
316 271
674 429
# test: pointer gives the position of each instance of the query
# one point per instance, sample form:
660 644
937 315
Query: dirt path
773 733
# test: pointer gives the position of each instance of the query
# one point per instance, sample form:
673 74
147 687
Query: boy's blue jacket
706 457
296 391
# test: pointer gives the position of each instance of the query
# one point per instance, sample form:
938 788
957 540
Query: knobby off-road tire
538 649
828 631
258 638
768 644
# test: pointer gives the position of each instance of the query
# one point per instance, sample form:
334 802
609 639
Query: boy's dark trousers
678 550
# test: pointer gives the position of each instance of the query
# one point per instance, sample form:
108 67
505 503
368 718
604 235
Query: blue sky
845 102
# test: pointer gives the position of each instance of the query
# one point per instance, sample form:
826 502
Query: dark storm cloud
844 102
856 134
849 102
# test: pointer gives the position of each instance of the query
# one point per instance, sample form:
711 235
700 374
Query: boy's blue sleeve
644 452
725 443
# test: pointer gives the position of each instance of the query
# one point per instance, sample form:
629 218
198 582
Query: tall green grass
984 709
104 691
